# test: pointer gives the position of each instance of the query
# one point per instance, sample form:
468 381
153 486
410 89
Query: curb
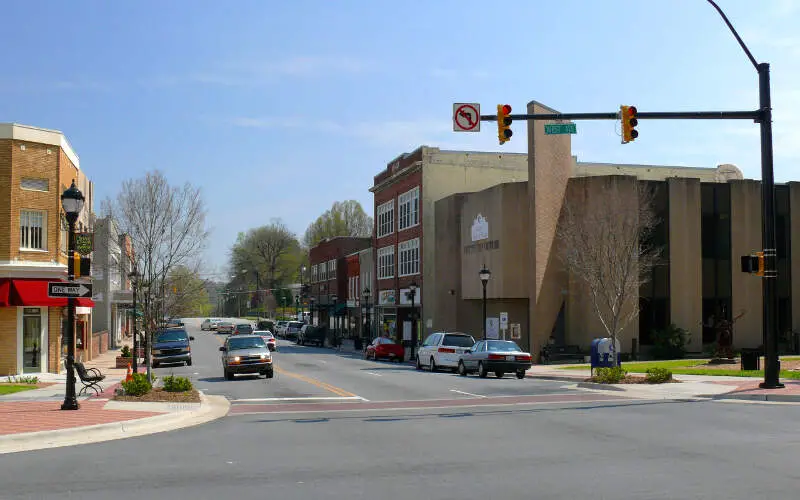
782 398
211 408
600 387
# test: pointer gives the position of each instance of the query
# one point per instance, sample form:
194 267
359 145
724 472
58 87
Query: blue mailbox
601 353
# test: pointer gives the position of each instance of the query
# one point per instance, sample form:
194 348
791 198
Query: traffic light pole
652 115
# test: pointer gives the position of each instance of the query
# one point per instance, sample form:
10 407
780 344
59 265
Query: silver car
246 354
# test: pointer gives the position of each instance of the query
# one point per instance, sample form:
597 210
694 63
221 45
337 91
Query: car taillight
524 357
448 350
497 357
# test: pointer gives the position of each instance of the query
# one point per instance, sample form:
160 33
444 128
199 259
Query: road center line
467 393
314 382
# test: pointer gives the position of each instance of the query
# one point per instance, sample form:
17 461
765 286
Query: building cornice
28 269
402 174
28 133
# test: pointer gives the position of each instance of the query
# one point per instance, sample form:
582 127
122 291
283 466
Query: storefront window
32 340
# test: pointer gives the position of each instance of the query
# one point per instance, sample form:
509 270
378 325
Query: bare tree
167 227
346 218
604 240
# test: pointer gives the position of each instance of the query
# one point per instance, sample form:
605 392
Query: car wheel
270 373
499 374
189 363
462 370
482 372
432 365
155 365
520 374
419 364
228 375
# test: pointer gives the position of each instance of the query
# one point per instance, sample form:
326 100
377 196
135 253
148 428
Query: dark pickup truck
311 334
171 345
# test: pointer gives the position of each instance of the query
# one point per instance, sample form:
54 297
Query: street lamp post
311 301
412 293
72 201
334 298
768 240
134 277
366 294
484 275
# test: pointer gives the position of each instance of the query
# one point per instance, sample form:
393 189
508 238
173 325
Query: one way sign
60 289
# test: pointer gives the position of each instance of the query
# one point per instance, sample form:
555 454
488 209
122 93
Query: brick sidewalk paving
33 416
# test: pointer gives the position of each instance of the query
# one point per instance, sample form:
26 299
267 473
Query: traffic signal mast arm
652 115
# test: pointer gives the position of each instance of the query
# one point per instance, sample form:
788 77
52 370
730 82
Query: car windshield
501 345
264 334
457 340
243 327
295 324
245 343
173 336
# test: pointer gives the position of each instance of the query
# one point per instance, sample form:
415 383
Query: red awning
33 293
5 285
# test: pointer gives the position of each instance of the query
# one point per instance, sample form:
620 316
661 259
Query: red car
383 347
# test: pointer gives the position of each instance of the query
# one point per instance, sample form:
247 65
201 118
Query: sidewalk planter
123 362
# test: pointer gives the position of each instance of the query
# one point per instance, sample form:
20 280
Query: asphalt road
616 449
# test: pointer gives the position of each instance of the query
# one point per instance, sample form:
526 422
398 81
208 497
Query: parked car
443 350
269 338
498 356
246 354
242 329
225 327
171 346
384 347
209 324
310 334
292 329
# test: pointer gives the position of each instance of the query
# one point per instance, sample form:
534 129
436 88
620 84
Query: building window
32 230
408 259
408 208
31 184
385 218
332 269
654 294
715 230
386 262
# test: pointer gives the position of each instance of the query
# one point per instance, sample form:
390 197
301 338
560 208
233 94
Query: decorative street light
311 301
412 293
334 298
72 201
134 277
366 294
484 274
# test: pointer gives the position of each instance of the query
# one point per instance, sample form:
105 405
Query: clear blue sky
278 109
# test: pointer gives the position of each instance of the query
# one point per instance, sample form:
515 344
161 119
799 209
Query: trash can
601 354
751 359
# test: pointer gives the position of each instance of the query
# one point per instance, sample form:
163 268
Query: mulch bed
633 379
160 395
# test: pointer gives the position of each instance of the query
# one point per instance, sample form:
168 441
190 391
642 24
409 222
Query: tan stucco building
708 218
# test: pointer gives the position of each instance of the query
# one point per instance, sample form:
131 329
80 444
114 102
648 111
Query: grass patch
12 388
691 367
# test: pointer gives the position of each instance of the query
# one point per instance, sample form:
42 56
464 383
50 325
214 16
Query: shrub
613 375
670 343
139 386
177 384
658 376
126 352
27 379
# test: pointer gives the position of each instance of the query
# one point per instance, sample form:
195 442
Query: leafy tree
186 293
345 218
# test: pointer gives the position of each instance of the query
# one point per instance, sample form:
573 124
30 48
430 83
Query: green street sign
560 128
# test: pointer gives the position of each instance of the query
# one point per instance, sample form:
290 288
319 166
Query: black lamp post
334 298
134 277
412 293
72 201
297 307
311 301
366 294
484 274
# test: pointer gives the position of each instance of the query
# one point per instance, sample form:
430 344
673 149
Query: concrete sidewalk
690 386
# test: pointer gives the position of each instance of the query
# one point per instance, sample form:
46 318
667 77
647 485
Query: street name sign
560 128
61 289
466 117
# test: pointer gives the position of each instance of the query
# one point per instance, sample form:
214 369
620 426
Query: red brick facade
323 287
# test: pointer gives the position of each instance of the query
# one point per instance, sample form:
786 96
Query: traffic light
79 265
504 132
627 115
753 264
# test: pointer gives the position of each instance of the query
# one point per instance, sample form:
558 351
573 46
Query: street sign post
61 289
560 128
466 117
504 323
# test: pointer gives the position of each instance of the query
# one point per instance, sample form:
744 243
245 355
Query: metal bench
555 353
90 378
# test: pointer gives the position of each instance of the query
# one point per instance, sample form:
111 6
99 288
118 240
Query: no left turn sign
466 117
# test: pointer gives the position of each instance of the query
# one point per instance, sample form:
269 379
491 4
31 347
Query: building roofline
40 135
640 165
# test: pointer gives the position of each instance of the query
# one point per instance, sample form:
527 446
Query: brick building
404 196
328 292
36 166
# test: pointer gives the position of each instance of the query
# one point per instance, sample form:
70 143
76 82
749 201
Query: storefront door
34 340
